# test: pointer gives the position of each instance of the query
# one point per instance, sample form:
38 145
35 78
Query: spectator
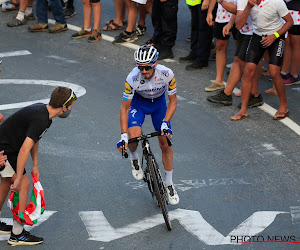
143 10
164 20
201 37
244 35
25 14
42 17
129 35
95 34
268 34
70 10
224 20
118 22
19 137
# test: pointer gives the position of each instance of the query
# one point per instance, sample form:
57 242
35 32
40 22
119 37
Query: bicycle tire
158 191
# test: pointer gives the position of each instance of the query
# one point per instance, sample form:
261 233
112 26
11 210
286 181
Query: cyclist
144 94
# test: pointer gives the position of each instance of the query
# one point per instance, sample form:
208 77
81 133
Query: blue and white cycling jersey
163 80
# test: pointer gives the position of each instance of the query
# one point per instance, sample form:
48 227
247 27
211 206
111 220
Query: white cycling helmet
146 54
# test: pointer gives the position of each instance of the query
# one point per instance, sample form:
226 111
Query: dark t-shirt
32 121
293 5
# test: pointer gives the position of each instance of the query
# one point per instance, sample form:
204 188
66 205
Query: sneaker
214 86
69 13
25 238
137 171
187 59
38 27
140 30
291 80
58 27
172 195
5 229
285 77
16 22
95 36
81 33
196 65
125 38
254 102
221 98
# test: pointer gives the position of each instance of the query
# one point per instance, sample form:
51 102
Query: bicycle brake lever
124 153
168 137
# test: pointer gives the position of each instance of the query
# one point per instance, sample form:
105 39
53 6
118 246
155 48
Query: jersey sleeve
241 4
128 88
172 84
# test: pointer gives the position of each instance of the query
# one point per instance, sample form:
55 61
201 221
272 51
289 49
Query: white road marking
80 91
270 149
60 58
45 216
15 53
295 214
99 229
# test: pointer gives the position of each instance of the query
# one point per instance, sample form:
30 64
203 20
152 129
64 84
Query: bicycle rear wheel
159 190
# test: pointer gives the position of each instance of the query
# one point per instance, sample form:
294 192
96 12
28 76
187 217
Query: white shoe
137 171
172 195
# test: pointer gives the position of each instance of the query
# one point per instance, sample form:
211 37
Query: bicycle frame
153 176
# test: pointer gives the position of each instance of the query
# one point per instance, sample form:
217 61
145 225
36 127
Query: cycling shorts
141 106
242 45
295 30
256 51
94 1
218 31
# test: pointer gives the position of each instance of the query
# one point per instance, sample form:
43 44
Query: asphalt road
233 178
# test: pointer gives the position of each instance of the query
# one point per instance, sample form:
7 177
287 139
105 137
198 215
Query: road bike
152 173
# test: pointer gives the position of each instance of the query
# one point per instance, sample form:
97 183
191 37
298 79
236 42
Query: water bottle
263 36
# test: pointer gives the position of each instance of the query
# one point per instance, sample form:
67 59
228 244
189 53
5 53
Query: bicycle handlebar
142 137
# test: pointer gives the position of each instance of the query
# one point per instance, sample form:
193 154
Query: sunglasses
146 67
72 96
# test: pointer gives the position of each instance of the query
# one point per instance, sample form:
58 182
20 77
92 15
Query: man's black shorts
12 159
218 31
242 45
295 30
256 51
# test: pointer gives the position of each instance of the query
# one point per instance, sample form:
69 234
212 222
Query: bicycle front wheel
159 190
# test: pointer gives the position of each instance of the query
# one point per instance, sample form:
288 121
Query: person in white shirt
268 34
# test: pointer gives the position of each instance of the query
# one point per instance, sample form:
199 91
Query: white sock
89 30
21 15
295 76
133 155
168 176
284 73
17 228
28 11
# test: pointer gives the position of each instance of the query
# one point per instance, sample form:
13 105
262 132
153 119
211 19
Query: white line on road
80 91
15 53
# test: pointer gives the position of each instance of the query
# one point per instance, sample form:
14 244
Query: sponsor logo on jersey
135 78
172 84
165 73
142 81
128 89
